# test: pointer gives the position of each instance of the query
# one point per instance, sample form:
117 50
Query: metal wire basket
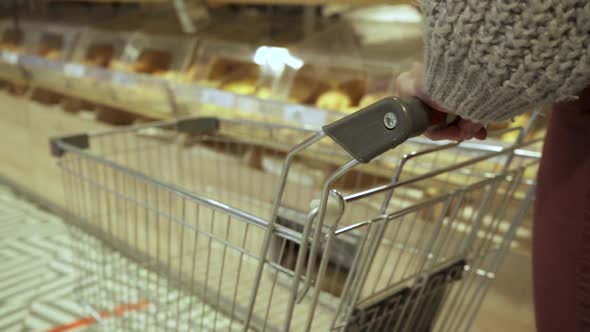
207 224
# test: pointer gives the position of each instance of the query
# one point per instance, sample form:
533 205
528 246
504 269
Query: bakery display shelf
53 47
15 41
161 76
84 71
297 74
141 76
87 72
157 74
205 101
201 100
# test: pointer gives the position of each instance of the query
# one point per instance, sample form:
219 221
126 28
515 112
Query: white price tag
218 98
121 78
54 64
35 61
247 104
304 115
74 70
10 57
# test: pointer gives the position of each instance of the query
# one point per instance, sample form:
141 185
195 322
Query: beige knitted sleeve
490 60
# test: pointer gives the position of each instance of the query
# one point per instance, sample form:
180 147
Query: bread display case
87 71
141 76
342 69
340 84
14 41
308 82
295 85
54 46
232 79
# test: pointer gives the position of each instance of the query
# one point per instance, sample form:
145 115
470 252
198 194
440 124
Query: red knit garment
561 236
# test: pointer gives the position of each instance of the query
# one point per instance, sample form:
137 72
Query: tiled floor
36 278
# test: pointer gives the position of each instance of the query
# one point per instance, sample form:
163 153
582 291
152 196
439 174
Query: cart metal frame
229 225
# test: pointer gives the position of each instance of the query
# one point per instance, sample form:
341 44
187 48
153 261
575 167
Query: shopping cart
206 224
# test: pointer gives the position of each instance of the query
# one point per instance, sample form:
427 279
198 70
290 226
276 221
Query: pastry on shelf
335 100
300 93
355 89
53 54
306 90
241 87
99 55
51 46
12 36
217 69
11 47
150 61
11 39
225 69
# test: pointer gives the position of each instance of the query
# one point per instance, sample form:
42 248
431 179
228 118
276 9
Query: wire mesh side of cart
427 267
448 214
174 223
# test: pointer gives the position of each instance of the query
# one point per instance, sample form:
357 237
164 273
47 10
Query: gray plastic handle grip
380 127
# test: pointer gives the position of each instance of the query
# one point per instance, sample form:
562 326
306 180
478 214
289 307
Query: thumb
409 83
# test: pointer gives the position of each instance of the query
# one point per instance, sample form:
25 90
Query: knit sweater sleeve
490 60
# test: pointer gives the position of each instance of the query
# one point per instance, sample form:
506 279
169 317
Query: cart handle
384 125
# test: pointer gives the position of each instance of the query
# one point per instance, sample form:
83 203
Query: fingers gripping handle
382 126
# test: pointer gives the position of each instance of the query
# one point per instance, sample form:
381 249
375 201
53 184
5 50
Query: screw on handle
382 126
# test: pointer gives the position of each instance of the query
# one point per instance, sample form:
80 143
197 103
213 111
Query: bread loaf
151 60
354 88
241 87
50 46
335 100
99 55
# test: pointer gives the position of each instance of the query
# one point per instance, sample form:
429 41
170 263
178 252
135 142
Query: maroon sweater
561 240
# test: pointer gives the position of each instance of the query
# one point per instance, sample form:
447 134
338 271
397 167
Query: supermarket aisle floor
36 279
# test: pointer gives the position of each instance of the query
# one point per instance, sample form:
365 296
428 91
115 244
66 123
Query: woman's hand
411 84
